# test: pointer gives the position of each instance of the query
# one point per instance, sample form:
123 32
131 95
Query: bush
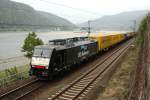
29 43
11 71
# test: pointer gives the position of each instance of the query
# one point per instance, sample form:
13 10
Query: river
11 42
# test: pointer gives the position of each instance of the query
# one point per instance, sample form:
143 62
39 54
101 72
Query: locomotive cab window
42 52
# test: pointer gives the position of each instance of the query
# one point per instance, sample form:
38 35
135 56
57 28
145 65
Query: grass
2 74
13 74
19 69
118 86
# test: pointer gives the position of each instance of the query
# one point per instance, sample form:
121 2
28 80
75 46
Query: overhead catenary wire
66 6
57 4
73 8
77 9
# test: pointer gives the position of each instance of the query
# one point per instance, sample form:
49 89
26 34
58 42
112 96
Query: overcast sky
78 11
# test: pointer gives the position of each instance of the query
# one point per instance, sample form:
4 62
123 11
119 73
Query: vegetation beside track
118 87
124 87
13 70
13 74
141 84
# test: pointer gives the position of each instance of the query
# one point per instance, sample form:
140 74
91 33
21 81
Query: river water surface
11 42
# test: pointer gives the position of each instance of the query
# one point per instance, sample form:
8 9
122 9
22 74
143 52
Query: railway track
78 89
21 91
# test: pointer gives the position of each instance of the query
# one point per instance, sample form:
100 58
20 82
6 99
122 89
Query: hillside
121 21
25 16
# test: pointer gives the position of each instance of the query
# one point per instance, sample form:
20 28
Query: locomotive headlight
33 66
46 67
40 61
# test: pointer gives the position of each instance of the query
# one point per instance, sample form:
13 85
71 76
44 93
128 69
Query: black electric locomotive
59 55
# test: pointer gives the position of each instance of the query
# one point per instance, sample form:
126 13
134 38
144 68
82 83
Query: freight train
61 54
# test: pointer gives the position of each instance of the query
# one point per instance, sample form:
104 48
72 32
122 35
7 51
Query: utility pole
89 28
134 29
134 26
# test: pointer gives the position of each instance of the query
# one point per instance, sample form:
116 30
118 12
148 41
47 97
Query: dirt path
148 89
141 84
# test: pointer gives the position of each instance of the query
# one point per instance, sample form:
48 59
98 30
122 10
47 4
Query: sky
78 11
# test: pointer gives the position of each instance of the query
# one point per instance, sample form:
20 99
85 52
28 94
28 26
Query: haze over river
11 42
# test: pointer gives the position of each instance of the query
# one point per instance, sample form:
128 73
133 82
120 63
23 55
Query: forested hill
12 13
121 21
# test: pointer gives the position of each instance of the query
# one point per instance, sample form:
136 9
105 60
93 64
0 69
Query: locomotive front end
40 61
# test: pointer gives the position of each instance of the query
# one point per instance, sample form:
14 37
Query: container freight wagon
107 40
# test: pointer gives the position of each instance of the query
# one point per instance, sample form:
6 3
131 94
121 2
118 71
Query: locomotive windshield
41 52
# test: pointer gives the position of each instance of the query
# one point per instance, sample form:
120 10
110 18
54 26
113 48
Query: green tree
29 43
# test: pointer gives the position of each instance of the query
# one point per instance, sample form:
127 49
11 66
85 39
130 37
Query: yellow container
107 40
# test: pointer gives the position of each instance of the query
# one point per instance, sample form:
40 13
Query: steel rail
10 93
61 94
